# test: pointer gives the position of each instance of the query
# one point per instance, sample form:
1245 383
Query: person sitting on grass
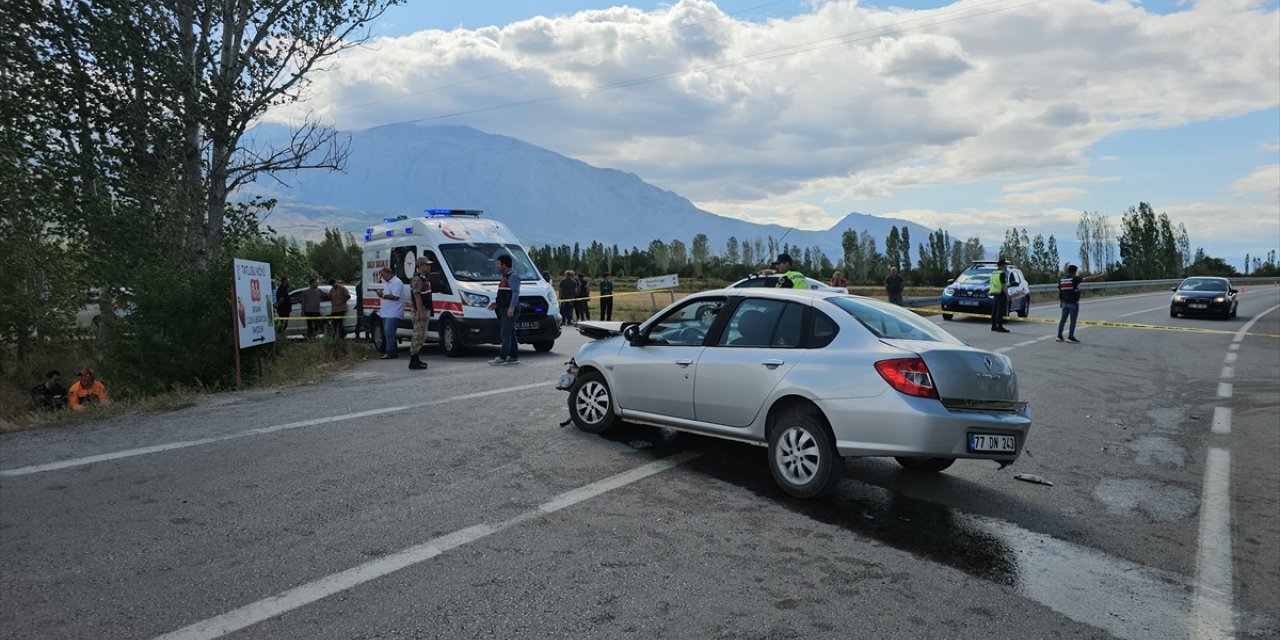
87 391
51 395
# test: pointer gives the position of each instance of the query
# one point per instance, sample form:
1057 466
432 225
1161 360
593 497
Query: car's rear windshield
1203 284
891 322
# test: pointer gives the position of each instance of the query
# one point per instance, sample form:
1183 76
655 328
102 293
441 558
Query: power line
968 13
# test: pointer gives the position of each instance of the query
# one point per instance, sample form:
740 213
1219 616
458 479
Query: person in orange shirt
87 391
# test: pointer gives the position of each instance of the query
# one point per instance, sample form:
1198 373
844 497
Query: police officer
422 311
789 278
1000 295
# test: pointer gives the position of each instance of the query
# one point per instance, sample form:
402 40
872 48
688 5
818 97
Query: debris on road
640 444
1033 479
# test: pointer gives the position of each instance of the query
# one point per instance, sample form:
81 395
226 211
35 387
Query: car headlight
949 291
551 301
1219 299
1179 299
474 299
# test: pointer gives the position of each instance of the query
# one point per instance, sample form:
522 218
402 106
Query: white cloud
1263 179
853 102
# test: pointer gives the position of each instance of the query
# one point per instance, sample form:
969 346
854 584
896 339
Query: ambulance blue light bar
453 212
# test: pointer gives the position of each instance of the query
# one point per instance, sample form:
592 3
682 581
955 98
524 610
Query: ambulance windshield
477 262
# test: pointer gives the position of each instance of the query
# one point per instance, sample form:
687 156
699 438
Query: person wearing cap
789 278
1000 296
1069 300
86 391
420 294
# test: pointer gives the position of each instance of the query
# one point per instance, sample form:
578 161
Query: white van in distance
464 280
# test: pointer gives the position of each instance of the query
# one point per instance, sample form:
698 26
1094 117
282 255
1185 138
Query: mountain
544 197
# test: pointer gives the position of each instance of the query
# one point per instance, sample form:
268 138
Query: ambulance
463 248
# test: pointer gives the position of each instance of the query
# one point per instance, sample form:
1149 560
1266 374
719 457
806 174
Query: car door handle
684 363
773 364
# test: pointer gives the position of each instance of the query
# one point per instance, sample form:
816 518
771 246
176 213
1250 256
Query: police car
970 292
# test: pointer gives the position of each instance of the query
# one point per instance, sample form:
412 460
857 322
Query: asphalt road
451 504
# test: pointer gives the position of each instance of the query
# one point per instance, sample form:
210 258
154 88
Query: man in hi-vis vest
1000 295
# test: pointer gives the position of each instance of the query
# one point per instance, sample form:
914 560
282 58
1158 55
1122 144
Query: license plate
527 325
969 303
1199 306
986 442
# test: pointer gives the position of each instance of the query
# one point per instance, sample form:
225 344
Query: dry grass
297 363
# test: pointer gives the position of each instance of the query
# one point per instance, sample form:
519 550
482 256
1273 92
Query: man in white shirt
390 309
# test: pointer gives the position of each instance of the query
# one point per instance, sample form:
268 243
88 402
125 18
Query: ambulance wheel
378 336
450 341
947 316
543 346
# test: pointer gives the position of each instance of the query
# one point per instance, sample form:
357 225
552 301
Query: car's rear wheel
591 403
377 334
802 456
947 316
925 465
450 341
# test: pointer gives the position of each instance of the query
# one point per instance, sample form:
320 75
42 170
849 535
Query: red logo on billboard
255 290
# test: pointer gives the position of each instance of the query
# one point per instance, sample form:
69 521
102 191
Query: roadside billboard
254 324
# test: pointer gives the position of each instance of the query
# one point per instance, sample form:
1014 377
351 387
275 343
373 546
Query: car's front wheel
802 456
591 403
543 346
1173 312
1026 307
925 465
947 316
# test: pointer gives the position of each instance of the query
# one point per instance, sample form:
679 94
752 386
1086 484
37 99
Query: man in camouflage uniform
422 311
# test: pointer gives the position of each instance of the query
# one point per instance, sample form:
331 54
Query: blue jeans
1069 309
507 331
389 334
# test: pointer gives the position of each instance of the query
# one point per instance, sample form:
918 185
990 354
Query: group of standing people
575 298
338 296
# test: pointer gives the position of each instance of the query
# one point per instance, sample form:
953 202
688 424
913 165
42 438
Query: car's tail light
908 375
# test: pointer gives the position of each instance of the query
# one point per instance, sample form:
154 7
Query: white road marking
1231 356
1135 313
1249 325
1047 337
306 594
142 451
1235 346
1224 389
1026 343
1222 420
1228 372
1003 349
1211 609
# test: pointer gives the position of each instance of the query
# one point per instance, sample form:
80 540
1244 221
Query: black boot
415 363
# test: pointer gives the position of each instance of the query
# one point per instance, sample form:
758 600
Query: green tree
701 253
731 253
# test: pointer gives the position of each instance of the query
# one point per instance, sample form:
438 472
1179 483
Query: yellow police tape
1094 323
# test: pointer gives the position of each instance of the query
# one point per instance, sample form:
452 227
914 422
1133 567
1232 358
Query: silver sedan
814 376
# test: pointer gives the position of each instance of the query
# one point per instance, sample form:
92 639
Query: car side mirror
633 335
1235 291
1173 288
951 281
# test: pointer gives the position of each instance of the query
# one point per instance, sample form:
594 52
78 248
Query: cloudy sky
974 115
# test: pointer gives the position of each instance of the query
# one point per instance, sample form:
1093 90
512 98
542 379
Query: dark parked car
1201 294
